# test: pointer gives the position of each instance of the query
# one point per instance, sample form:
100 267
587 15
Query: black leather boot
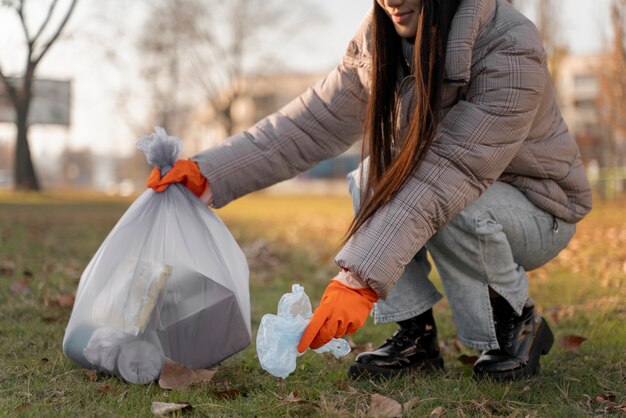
522 340
414 346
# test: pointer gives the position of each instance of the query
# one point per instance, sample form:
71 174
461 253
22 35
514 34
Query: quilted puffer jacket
500 121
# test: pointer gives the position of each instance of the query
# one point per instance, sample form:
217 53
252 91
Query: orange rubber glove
185 172
343 310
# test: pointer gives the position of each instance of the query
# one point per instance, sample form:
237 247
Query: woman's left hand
343 310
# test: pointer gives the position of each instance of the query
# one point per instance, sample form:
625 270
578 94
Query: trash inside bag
169 281
278 336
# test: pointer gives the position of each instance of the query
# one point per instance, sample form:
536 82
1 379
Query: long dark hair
386 173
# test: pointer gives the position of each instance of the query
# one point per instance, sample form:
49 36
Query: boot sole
359 370
543 343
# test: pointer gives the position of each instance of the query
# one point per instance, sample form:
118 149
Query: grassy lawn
46 241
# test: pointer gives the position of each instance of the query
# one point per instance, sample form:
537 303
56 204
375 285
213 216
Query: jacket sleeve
475 142
321 123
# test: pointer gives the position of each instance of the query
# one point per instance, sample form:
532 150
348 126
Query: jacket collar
469 19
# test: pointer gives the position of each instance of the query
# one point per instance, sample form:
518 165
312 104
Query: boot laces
504 329
405 336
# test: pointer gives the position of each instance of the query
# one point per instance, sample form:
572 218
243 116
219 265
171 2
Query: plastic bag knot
161 150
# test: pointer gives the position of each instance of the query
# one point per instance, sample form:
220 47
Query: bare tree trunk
24 171
21 94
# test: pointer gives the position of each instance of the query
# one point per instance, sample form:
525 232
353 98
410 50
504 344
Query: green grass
46 241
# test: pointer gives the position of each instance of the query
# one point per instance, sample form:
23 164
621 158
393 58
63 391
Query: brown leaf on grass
341 385
437 412
572 342
175 375
51 318
165 408
22 407
467 360
105 389
225 394
605 397
560 312
65 301
20 287
294 397
60 300
382 406
28 273
7 268
92 375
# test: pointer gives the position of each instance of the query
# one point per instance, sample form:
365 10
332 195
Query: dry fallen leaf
382 406
104 389
7 268
64 301
294 397
467 360
341 385
572 342
20 287
176 376
22 407
91 374
51 318
164 408
561 312
605 398
437 412
226 394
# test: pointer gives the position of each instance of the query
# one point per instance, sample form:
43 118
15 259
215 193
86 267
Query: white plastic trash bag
169 281
278 336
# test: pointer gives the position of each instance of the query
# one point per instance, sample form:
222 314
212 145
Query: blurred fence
608 183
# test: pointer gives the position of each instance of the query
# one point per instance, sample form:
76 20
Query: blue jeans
490 244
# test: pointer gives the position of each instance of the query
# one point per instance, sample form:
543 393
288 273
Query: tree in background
38 42
196 52
612 99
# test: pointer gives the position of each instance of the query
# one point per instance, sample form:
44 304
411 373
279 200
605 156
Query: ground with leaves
46 241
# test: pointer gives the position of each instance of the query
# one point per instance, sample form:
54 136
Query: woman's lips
402 18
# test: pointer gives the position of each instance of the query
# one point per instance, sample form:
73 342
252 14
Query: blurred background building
199 70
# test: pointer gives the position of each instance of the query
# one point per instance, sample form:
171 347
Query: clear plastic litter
169 281
278 336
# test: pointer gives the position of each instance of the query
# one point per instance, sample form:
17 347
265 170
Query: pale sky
96 122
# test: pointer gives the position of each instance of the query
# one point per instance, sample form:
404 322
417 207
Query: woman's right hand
185 172
343 310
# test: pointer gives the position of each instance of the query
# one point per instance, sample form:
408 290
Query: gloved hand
185 172
343 310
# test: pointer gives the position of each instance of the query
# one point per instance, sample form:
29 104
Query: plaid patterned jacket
500 121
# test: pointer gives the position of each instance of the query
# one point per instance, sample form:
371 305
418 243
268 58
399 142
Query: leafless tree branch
19 9
54 37
45 21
